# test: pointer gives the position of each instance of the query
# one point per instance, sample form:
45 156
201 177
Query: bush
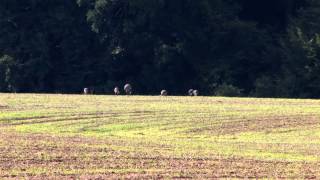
228 90
7 75
265 87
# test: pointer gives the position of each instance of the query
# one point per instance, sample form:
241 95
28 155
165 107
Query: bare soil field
140 137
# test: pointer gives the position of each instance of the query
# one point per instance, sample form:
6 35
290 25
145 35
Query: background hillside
265 48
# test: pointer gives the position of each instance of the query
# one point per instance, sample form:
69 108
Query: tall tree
178 44
49 41
302 53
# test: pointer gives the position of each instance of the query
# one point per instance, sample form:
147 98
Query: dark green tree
50 43
266 48
301 52
179 44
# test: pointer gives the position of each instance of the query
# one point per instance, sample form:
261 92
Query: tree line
265 48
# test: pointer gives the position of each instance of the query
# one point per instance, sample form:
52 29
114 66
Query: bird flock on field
128 91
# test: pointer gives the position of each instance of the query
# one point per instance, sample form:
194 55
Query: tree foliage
268 48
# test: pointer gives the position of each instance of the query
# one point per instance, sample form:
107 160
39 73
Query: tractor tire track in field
263 123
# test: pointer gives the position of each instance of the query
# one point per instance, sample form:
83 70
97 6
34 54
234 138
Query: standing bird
164 93
85 90
128 89
116 91
190 92
195 92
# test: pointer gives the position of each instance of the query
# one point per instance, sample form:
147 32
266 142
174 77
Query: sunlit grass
194 127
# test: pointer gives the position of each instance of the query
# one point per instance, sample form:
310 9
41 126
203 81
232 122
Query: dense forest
260 48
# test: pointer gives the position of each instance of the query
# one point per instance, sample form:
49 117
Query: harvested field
100 137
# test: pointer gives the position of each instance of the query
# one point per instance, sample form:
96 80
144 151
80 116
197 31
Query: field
101 137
